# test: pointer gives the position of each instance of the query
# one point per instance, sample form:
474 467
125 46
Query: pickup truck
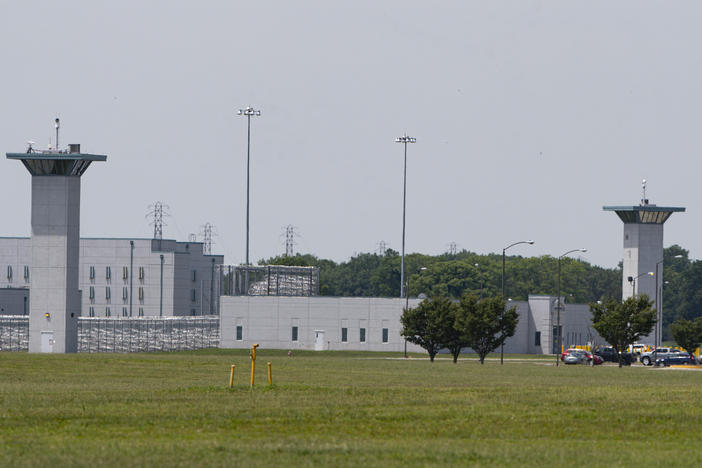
651 357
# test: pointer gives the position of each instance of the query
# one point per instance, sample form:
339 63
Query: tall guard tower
642 271
54 299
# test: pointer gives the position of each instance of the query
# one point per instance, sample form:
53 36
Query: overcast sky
529 117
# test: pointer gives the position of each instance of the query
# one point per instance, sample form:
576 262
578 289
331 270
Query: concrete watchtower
54 298
643 253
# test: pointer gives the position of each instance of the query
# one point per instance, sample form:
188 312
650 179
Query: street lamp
632 280
248 112
530 242
659 313
404 139
558 307
480 274
407 300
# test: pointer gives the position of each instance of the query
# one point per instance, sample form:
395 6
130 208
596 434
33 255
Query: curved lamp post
632 280
558 307
530 242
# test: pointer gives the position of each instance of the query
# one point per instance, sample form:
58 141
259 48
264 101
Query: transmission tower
156 212
192 237
382 247
207 233
289 240
453 249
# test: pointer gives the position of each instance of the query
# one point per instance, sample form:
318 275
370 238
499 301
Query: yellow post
231 377
253 363
270 377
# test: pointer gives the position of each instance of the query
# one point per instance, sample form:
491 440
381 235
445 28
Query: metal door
47 342
319 340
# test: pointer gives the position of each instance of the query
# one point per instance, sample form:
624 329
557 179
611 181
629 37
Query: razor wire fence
124 334
14 333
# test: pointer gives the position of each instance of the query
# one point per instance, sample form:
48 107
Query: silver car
575 357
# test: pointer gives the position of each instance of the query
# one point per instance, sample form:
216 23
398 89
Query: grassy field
341 409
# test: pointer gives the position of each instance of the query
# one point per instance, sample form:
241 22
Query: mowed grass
341 409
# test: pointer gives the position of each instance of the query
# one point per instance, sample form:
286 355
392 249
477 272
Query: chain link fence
124 335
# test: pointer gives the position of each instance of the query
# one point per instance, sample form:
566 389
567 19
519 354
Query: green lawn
336 409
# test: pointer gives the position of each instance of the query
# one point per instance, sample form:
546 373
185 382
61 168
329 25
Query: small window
141 273
108 272
91 312
141 294
537 338
193 311
107 312
9 272
125 313
92 292
125 272
92 272
108 294
193 295
125 293
385 335
362 337
344 335
141 311
194 275
294 333
239 333
26 273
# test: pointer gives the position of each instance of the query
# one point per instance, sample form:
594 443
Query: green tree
430 325
623 323
688 334
485 324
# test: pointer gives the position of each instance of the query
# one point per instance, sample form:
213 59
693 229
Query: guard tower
642 271
54 299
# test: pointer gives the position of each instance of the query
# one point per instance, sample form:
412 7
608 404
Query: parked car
651 357
576 356
608 353
677 357
588 354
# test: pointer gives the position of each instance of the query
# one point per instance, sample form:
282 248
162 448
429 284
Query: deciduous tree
485 324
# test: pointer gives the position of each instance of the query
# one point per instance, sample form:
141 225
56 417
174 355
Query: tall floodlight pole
248 112
404 139
659 313
558 307
530 242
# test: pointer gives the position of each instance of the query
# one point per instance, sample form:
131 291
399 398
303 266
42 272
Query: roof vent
74 148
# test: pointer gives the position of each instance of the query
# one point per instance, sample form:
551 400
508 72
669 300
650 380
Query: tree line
453 276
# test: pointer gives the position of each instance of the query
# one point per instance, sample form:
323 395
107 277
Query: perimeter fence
14 332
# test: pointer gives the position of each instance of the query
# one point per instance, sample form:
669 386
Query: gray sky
529 117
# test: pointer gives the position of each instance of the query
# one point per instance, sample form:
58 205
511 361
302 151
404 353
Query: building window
91 312
9 273
107 312
193 295
344 335
107 292
125 272
141 311
141 293
385 335
26 273
362 337
537 338
125 293
294 333
92 273
108 272
141 273
194 275
125 313
239 333
92 292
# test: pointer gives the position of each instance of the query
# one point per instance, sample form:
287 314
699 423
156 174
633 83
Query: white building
169 278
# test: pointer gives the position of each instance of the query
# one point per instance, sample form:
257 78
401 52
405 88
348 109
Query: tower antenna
644 200
58 125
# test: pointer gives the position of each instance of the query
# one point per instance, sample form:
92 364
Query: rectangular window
294 333
26 273
141 311
141 273
385 335
344 335
537 338
108 272
92 292
193 295
107 292
194 275
362 337
91 312
125 293
107 312
125 313
141 294
239 333
9 272
125 272
92 272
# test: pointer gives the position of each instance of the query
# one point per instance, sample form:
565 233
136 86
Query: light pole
558 307
404 139
407 300
632 280
659 313
480 275
248 112
530 242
